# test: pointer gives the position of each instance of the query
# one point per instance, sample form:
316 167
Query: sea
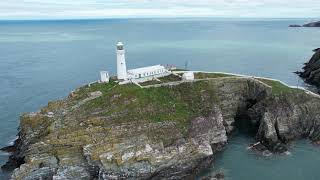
41 61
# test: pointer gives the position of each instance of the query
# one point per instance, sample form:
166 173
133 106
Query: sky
83 9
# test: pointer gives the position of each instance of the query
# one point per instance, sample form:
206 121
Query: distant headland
312 24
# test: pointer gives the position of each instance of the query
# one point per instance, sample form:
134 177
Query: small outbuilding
188 76
104 76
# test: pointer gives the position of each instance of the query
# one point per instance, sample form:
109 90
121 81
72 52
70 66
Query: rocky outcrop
286 118
295 25
311 70
312 24
170 132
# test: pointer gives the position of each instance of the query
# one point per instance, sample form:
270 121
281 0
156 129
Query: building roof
146 69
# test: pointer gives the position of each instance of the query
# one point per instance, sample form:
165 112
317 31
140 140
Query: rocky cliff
311 70
109 131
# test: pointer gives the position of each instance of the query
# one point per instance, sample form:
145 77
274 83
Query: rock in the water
311 70
295 25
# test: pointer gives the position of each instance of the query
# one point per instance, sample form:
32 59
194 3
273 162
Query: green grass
83 92
129 102
278 88
170 78
211 75
180 104
147 83
180 69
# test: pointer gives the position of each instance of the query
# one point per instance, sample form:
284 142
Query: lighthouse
121 62
137 75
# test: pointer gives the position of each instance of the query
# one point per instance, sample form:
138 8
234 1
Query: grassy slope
278 88
178 104
172 78
211 75
131 103
165 79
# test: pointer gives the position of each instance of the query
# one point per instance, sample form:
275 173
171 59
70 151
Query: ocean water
44 60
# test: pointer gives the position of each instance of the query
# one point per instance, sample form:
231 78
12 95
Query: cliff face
124 132
311 70
285 118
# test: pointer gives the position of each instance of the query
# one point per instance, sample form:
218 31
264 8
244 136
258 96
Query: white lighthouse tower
121 62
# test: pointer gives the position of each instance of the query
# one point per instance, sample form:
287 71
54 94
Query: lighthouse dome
120 45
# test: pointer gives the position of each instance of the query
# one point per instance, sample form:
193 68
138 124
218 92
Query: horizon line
156 17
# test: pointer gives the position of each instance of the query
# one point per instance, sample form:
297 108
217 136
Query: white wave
287 153
11 142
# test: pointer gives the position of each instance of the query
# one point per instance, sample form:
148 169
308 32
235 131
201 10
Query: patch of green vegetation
173 78
211 75
103 87
170 78
84 91
152 82
279 88
179 104
180 69
127 103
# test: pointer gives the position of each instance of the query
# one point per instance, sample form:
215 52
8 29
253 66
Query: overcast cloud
70 9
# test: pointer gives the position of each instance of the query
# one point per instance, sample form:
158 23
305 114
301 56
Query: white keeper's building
136 75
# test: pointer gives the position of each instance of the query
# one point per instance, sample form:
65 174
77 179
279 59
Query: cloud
69 9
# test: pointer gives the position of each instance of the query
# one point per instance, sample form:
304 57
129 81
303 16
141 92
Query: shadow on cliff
13 162
244 123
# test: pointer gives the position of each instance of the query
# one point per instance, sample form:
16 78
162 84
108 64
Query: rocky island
312 24
311 69
168 130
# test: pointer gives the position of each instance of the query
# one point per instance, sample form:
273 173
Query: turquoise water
45 60
238 163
